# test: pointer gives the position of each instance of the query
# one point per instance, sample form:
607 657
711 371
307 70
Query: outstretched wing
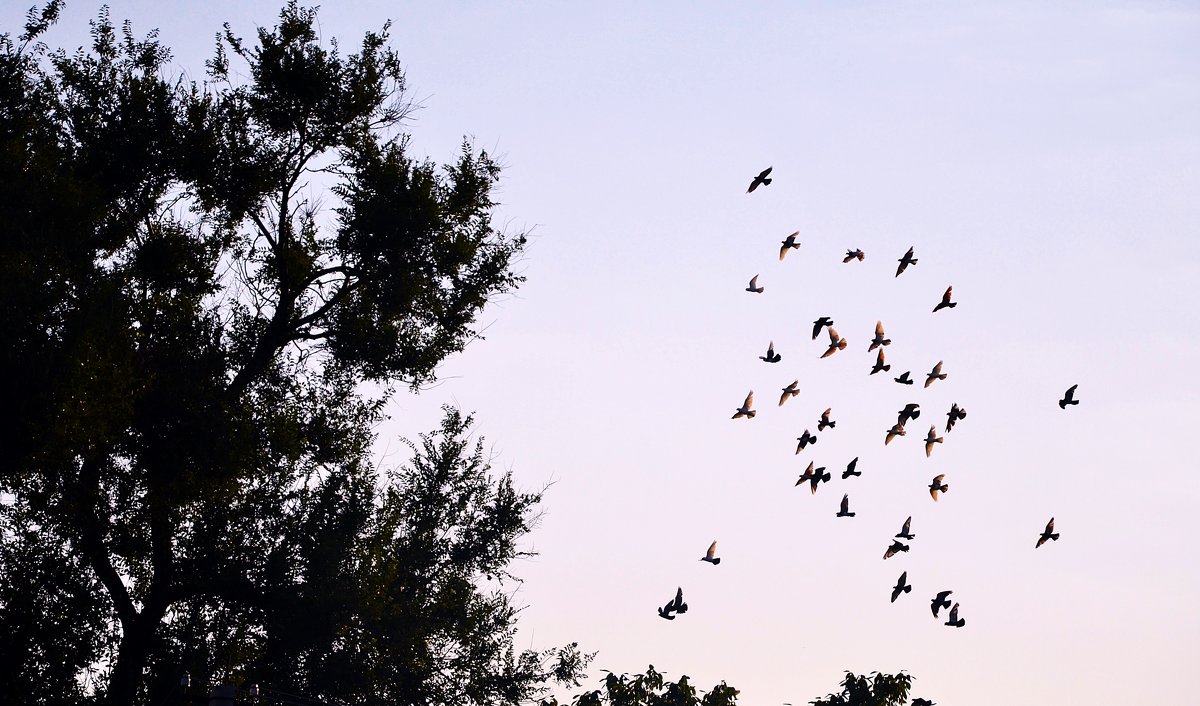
879 329
712 551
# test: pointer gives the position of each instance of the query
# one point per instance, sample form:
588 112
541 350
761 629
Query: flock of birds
814 476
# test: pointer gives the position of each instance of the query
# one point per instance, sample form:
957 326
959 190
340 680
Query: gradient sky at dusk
1041 159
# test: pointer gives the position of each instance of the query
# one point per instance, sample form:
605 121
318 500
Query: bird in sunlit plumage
836 343
935 374
945 303
788 243
789 392
745 410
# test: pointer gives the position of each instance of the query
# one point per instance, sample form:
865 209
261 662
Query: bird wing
771 349
678 597
879 329
754 282
846 503
1071 392
749 400
783 250
938 478
834 338
712 550
937 369
907 524
825 414
903 579
946 296
933 493
879 358
954 613
1050 526
908 255
764 173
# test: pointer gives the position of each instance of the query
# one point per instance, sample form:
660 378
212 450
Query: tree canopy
188 483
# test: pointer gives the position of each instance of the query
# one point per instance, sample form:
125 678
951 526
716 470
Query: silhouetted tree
186 482
651 689
874 690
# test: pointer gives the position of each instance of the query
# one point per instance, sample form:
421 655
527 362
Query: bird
904 532
930 439
956 413
941 600
937 487
771 356
879 340
897 430
904 378
854 255
804 440
850 469
788 243
1047 534
675 605
912 410
744 410
754 286
935 374
680 606
923 702
905 261
896 547
945 303
814 477
955 621
901 586
824 421
820 324
665 611
760 179
1068 397
710 556
879 365
845 511
789 392
836 343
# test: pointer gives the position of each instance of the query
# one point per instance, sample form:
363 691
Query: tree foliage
875 690
651 689
187 482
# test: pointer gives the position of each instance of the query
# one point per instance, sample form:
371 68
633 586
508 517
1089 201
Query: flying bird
680 606
904 378
923 702
901 586
824 421
941 600
854 255
820 324
955 621
879 340
937 487
850 469
788 243
836 343
935 374
845 511
1047 534
1068 397
760 179
912 410
789 392
930 439
805 439
675 605
814 477
945 303
744 410
711 555
771 356
754 286
956 413
896 547
905 261
904 531
879 365
897 430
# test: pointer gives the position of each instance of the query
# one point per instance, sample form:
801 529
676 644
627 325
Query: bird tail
916 414
1054 536
887 342
908 589
886 367
716 561
832 425
751 414
952 304
849 514
766 182
842 345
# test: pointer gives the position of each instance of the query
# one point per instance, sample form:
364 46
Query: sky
1041 158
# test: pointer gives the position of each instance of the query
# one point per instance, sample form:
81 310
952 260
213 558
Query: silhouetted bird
805 439
788 243
901 586
896 547
836 343
945 303
923 702
814 477
820 324
879 340
711 555
1068 398
771 356
956 413
675 605
930 439
941 600
904 531
912 410
854 255
845 511
744 410
937 487
955 621
905 261
760 179
789 392
850 469
879 365
897 430
904 378
935 374
680 606
1047 534
754 286
824 421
